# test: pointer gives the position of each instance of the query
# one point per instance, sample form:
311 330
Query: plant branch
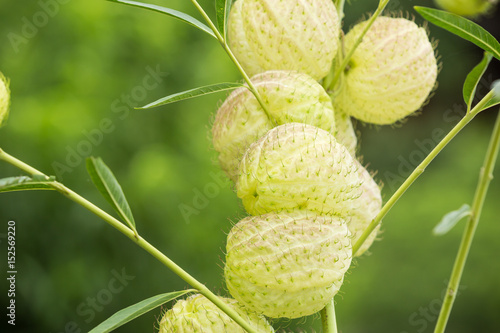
420 169
328 319
331 82
132 236
226 48
485 177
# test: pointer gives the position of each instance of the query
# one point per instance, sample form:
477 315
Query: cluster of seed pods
294 162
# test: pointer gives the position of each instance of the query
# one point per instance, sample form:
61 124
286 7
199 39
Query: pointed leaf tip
191 93
128 314
450 220
170 12
473 78
461 27
105 181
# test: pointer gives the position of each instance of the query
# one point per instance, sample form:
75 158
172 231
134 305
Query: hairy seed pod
287 264
198 314
4 99
391 73
345 133
299 35
289 97
298 166
470 8
364 210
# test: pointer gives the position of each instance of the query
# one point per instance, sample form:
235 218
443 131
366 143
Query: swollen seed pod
470 8
298 166
198 314
287 264
289 97
4 99
391 73
364 210
288 35
345 133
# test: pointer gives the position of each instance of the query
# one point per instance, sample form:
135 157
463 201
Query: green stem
331 82
226 48
202 289
420 169
485 177
328 319
339 4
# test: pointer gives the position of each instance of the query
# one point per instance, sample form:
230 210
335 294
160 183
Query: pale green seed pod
469 8
364 210
4 99
289 97
300 35
287 264
391 73
198 314
345 132
298 166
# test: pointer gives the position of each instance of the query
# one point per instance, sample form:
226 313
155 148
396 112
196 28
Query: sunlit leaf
200 91
109 187
462 27
130 313
473 78
450 220
170 12
24 183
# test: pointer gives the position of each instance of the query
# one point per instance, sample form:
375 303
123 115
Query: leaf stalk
485 177
328 318
330 82
420 169
226 48
141 242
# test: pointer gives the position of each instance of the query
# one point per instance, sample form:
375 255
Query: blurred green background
77 68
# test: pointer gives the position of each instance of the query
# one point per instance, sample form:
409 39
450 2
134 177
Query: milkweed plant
285 138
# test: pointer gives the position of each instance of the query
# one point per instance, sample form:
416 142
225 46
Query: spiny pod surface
345 132
391 73
287 264
364 210
288 96
198 314
470 8
4 99
298 166
299 35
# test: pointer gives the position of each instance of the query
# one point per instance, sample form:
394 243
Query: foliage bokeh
88 62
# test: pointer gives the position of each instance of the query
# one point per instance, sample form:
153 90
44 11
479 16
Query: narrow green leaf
229 4
24 183
450 220
462 27
495 86
200 91
43 178
473 78
222 8
170 12
106 183
130 313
